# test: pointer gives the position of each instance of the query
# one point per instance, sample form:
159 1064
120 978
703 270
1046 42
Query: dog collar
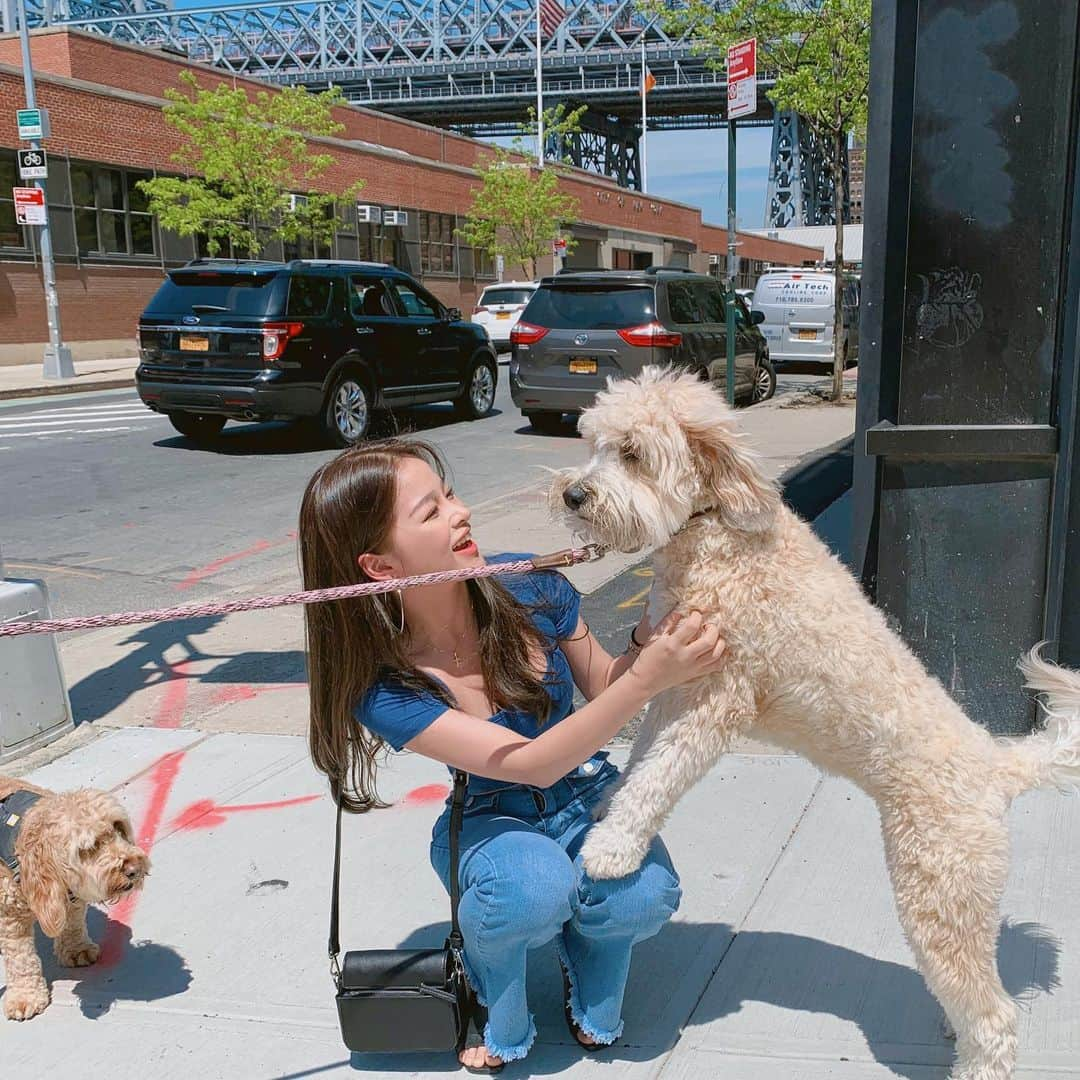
12 811
699 514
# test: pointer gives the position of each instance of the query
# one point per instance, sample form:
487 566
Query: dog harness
12 811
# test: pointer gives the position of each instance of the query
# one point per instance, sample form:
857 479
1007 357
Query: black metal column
967 494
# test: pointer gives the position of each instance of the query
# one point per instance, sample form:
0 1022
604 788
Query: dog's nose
131 869
574 496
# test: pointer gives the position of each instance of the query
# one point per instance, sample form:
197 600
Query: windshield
591 307
211 292
506 296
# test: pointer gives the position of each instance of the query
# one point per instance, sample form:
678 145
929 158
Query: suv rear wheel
347 416
479 394
201 427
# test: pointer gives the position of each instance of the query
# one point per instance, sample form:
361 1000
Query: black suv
330 341
579 329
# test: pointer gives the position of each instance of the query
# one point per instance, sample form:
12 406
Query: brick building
104 100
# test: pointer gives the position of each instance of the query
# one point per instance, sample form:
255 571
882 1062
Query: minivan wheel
201 427
764 381
347 417
479 396
547 423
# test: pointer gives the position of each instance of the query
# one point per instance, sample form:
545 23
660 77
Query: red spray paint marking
210 568
429 793
229 695
206 813
174 702
162 777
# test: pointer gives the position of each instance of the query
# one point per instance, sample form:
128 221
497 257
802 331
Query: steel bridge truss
466 64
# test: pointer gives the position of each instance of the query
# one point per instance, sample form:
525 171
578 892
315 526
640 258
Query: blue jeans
522 884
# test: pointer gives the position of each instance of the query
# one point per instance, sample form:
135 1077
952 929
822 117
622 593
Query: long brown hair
348 509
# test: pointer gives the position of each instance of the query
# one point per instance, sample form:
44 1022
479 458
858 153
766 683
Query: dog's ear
730 471
42 882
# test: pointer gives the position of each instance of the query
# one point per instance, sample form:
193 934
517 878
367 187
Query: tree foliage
818 51
246 155
518 210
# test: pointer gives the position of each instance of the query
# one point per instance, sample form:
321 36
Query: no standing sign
742 79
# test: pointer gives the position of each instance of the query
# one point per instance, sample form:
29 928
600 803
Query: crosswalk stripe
48 434
81 424
101 410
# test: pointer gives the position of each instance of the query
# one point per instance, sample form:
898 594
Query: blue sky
691 167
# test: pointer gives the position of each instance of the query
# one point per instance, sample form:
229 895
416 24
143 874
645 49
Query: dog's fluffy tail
1051 757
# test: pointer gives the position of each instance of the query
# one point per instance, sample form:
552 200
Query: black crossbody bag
402 1000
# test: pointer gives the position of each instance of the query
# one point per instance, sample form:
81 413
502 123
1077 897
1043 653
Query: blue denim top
398 714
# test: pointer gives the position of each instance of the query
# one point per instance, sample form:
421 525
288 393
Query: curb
48 389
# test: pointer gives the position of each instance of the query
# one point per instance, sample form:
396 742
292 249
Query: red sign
742 79
29 205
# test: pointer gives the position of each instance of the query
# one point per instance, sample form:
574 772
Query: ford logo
190 320
581 339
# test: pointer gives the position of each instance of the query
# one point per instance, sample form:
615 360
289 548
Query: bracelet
634 647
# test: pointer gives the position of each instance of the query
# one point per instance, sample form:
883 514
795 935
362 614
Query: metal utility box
34 706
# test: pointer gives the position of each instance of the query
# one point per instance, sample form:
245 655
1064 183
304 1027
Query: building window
112 215
483 263
438 250
12 235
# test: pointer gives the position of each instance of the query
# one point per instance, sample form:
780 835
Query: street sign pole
732 263
741 101
58 363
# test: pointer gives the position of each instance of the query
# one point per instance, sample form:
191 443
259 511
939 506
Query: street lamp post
58 363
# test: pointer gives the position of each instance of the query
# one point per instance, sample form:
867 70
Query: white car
499 308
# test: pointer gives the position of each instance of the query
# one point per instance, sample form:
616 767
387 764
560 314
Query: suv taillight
276 336
479 309
651 334
527 334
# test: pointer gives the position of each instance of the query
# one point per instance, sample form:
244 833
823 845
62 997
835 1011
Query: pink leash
567 557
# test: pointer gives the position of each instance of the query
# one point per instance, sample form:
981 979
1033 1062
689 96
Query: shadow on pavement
298 437
145 970
888 1001
108 687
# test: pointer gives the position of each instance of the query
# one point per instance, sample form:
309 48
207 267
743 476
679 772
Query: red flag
552 14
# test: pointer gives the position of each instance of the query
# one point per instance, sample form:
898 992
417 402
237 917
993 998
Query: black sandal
571 1023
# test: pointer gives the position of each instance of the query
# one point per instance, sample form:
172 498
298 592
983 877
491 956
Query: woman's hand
680 649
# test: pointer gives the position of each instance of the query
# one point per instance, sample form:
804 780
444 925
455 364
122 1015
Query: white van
798 309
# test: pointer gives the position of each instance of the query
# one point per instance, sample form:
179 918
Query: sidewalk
25 380
785 960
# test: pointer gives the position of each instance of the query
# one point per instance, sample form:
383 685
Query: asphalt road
116 511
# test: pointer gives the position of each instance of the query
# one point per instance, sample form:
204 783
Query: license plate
582 365
502 314
807 335
194 343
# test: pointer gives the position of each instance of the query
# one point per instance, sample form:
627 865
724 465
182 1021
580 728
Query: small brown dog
58 853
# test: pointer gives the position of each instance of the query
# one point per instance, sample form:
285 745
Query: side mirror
757 317
453 314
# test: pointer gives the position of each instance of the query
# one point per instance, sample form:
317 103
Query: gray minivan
579 329
799 314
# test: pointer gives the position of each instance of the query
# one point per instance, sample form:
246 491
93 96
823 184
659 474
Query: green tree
819 53
249 157
518 210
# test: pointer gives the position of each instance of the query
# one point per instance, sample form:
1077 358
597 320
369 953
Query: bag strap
457 813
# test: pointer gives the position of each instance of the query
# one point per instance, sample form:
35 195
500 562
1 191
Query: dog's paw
606 854
23 1003
81 955
599 811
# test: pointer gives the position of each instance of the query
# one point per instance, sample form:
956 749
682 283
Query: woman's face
430 530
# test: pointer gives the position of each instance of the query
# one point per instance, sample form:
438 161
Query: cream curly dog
73 849
813 668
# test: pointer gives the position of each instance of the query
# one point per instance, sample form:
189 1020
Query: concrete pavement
785 960
26 380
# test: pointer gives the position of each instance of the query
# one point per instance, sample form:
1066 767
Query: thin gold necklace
459 660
